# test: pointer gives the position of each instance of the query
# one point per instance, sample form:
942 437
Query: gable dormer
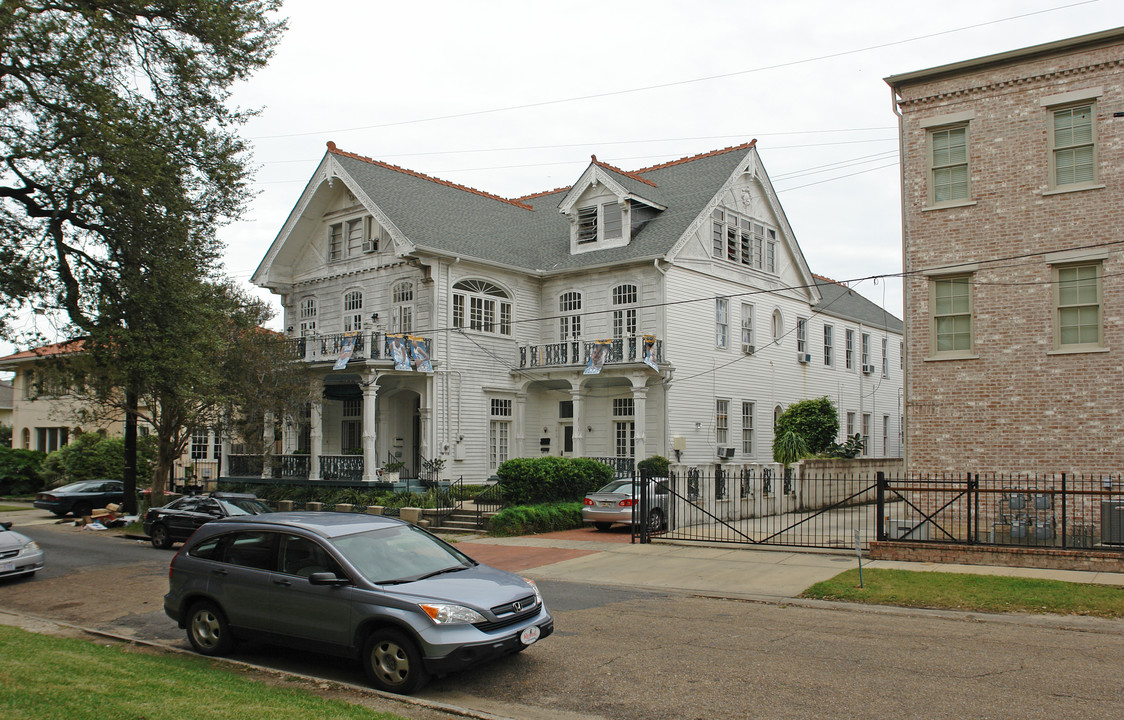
604 208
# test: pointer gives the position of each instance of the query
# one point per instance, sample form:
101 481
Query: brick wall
1091 560
1017 406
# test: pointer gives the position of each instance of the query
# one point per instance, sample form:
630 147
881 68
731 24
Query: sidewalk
724 571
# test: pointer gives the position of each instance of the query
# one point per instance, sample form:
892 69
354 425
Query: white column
639 415
316 438
370 430
579 424
424 415
520 425
266 445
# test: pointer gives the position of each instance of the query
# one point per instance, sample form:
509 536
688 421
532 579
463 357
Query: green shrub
655 466
19 471
815 421
91 456
530 519
533 481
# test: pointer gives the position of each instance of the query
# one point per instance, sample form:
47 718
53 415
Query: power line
677 83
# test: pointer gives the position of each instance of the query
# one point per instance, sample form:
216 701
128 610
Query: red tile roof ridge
336 151
827 279
543 193
60 348
627 173
700 156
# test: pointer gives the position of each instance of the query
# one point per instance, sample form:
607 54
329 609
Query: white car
19 554
617 502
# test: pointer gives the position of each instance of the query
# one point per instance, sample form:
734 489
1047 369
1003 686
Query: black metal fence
773 506
1061 510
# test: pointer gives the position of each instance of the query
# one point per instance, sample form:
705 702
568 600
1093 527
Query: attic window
600 222
743 241
587 225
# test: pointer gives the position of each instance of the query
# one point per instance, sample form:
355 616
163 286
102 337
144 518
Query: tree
815 422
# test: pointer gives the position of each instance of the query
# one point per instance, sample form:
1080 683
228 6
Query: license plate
606 503
530 635
10 566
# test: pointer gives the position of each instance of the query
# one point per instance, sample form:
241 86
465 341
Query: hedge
530 519
534 481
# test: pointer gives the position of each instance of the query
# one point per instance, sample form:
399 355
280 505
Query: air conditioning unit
370 246
804 358
748 349
725 452
868 369
906 530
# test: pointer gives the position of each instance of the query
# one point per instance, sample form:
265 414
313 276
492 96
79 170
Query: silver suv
407 604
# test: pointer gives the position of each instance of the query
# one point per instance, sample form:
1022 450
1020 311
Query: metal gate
753 506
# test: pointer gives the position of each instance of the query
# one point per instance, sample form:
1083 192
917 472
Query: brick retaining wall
1091 560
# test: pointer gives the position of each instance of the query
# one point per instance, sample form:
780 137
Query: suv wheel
392 662
208 630
160 537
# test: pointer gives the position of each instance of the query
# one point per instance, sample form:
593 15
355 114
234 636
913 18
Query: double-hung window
885 357
747 428
721 322
801 335
570 323
849 352
624 427
353 311
308 316
722 422
402 308
828 345
1073 141
949 172
1077 324
624 316
747 328
951 314
499 432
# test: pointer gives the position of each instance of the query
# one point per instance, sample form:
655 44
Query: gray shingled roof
843 302
446 218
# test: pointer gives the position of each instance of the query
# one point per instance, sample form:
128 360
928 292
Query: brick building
1013 231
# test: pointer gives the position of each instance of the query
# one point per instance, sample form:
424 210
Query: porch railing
368 346
577 352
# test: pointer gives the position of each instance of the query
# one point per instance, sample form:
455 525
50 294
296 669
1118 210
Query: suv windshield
399 554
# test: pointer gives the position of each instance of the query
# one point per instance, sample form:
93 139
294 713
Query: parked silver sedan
19 554
614 503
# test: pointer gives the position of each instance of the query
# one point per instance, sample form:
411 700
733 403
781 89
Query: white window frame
721 421
307 313
778 325
801 335
499 431
739 239
865 341
747 327
849 349
828 345
885 357
624 298
570 322
481 306
624 427
402 307
353 311
721 322
748 410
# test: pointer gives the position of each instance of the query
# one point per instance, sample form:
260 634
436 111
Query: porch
577 353
374 346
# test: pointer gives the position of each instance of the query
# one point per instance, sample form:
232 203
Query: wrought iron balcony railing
577 353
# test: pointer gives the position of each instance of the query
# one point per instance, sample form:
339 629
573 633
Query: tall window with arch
624 316
353 311
308 316
402 308
778 325
570 322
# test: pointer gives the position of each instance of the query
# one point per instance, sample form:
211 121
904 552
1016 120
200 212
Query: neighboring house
6 404
683 282
1013 193
45 415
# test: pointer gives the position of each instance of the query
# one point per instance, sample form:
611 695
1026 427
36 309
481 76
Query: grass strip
12 508
980 593
53 678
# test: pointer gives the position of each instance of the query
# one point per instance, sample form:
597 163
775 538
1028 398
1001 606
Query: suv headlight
443 614
538 595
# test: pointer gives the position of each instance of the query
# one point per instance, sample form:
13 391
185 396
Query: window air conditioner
370 246
868 369
803 358
748 349
725 452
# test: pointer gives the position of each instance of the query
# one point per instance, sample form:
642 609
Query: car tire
655 520
393 663
207 630
602 526
81 509
161 539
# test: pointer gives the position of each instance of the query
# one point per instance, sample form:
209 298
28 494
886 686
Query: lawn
54 678
982 593
13 508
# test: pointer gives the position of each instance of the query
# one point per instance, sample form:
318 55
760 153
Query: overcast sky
513 97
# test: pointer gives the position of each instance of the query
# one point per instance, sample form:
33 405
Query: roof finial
593 158
331 146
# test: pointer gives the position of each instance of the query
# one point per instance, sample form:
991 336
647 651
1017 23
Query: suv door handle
282 581
220 571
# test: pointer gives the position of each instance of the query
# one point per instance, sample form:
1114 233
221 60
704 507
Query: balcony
575 353
326 348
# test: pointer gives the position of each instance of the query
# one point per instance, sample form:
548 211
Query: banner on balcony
650 352
420 351
398 352
597 357
346 348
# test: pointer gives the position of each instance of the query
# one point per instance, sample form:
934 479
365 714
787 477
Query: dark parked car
81 498
19 554
405 603
176 521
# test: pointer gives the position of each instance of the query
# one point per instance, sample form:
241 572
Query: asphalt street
625 653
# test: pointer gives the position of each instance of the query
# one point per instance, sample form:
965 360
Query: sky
513 98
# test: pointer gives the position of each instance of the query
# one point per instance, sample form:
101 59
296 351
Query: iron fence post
1063 512
880 502
976 501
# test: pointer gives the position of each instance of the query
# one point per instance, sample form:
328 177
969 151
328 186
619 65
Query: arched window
402 312
570 324
778 325
776 415
624 317
353 311
481 305
308 316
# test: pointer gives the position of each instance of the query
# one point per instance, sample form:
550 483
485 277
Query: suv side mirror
7 524
327 578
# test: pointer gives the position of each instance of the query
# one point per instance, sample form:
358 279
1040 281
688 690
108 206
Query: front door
567 433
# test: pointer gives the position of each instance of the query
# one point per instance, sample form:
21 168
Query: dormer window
352 238
600 222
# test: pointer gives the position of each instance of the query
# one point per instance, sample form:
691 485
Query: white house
690 265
